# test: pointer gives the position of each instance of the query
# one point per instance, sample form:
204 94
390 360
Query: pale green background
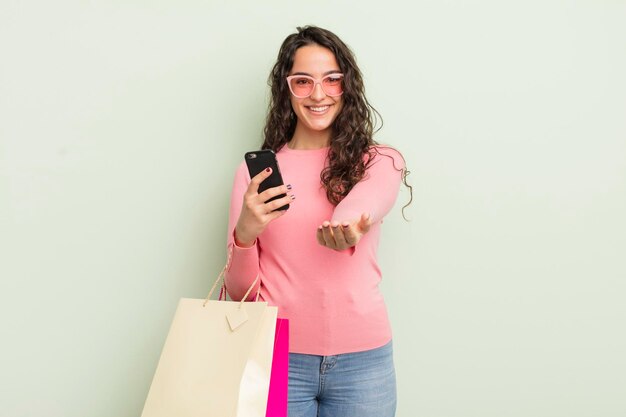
121 124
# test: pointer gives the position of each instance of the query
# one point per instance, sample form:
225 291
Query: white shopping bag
216 361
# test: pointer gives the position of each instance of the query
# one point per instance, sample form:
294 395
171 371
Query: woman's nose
318 92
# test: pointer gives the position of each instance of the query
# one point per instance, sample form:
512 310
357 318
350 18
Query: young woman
317 260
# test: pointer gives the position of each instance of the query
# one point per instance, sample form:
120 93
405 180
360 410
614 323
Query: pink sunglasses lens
301 86
333 85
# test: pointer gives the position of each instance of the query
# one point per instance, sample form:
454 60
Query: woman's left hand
340 236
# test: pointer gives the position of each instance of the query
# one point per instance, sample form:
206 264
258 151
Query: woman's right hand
255 213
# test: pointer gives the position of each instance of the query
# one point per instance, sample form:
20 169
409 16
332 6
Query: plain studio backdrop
121 125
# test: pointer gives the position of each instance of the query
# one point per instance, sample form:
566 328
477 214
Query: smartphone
257 161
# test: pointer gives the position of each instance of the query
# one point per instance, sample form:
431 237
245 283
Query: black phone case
257 161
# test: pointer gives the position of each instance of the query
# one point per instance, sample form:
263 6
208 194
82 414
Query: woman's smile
318 109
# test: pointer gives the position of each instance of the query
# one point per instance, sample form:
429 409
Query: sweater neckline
319 151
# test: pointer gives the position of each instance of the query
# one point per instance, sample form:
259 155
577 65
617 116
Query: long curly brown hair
352 146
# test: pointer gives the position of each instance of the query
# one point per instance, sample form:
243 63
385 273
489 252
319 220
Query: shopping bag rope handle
220 277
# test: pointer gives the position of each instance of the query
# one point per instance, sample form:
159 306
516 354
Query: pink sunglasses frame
316 81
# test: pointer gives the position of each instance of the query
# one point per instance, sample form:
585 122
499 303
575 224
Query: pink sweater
331 298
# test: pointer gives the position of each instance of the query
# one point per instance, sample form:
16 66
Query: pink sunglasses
302 86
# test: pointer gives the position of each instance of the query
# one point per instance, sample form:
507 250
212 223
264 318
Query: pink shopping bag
277 398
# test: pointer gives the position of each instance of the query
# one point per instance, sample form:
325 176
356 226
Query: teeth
319 109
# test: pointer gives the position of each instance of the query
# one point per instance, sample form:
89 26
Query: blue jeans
360 384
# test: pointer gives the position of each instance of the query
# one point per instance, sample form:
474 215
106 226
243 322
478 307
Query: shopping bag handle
220 277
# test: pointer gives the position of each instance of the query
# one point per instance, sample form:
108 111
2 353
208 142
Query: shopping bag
277 398
216 361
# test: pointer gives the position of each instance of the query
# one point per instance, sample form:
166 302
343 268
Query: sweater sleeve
243 266
376 193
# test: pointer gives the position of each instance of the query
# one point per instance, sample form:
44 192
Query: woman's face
318 111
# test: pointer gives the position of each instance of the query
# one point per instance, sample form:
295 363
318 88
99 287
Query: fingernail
293 197
268 169
346 224
289 186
